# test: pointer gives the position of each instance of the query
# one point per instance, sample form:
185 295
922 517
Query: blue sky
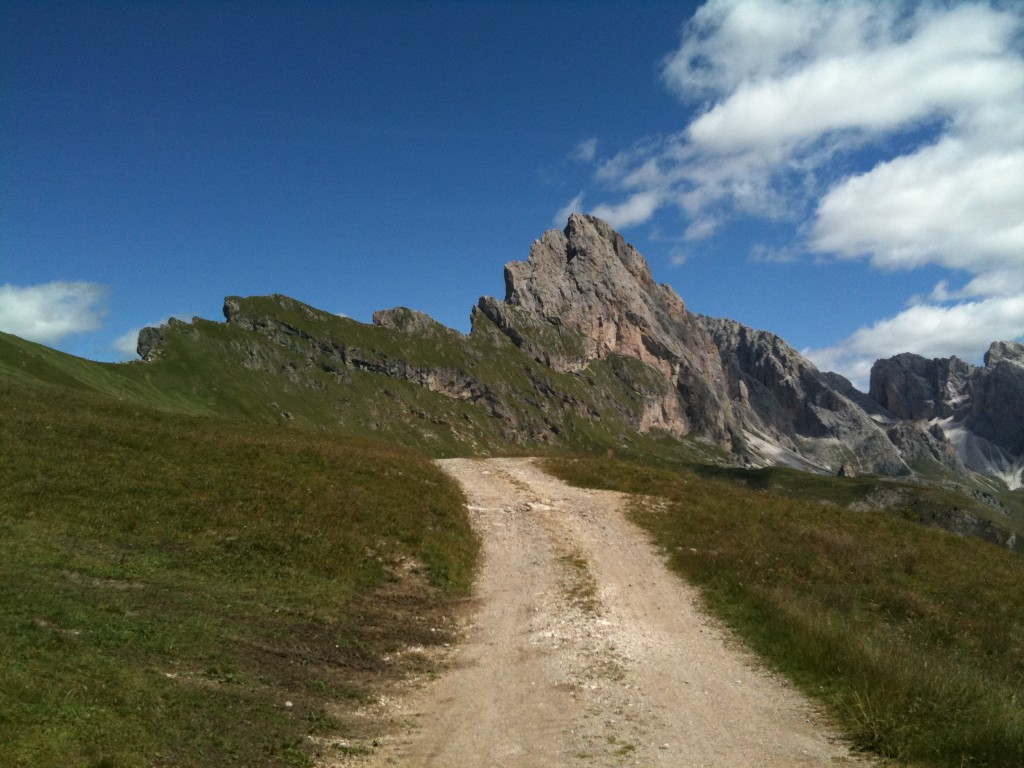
847 175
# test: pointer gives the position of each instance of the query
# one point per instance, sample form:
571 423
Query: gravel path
586 651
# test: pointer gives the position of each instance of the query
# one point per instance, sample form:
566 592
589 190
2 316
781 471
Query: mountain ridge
610 346
586 354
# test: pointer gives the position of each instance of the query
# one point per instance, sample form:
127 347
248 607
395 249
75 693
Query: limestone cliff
584 293
911 387
594 293
791 411
979 411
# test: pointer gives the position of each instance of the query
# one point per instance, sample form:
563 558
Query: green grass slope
426 387
913 637
295 377
964 505
484 389
181 590
188 543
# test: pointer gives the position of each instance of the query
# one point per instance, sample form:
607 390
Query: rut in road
585 650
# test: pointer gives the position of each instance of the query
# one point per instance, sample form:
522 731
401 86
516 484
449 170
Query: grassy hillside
309 369
182 590
187 544
912 636
944 502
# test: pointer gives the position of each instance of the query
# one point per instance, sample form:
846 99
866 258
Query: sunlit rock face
980 410
780 396
588 280
742 388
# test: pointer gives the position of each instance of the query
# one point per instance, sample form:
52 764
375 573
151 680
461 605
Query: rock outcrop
150 341
912 387
996 411
778 395
947 406
585 294
920 443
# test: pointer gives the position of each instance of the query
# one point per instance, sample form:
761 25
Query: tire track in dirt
586 651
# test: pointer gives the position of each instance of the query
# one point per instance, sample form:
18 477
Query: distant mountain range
608 356
585 353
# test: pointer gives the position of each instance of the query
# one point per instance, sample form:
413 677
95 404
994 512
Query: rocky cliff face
977 411
779 397
912 387
996 410
594 293
584 294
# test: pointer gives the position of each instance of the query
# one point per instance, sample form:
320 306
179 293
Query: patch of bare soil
583 649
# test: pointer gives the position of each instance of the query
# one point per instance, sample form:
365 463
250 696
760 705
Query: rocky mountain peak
591 238
589 279
585 294
586 282
738 387
1010 351
913 387
602 346
997 400
790 412
981 409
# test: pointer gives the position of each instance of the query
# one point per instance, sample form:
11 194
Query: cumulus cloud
951 62
887 132
636 209
944 204
928 330
789 87
49 312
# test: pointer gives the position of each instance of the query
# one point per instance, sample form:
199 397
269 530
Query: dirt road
586 651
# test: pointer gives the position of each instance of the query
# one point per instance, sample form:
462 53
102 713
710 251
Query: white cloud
586 150
126 343
964 330
702 228
678 257
889 132
944 204
950 64
730 42
48 312
638 208
573 206
795 85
